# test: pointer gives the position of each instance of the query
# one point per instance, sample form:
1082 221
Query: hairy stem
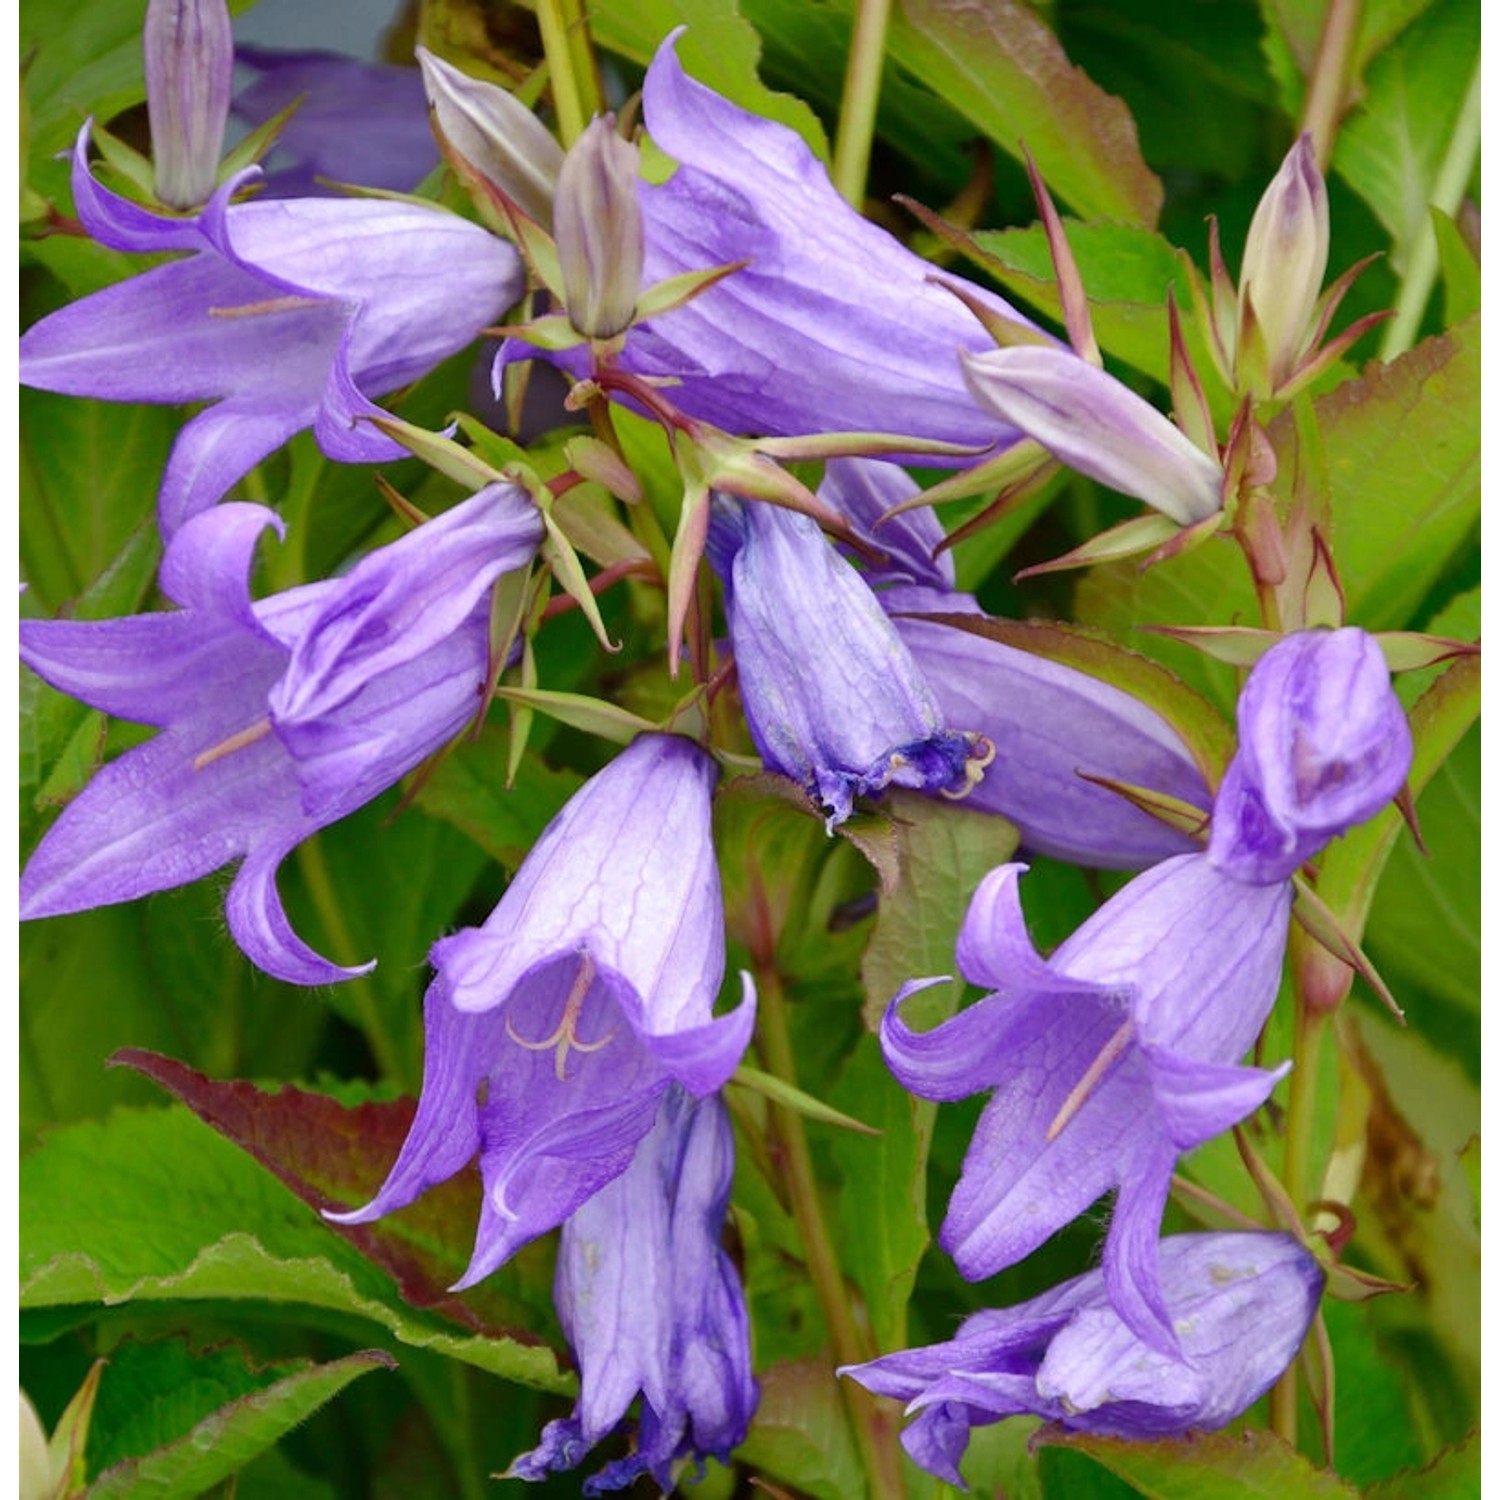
851 151
873 1431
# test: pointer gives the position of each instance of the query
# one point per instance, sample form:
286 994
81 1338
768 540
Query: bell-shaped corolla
831 695
1104 1062
289 314
653 1307
554 1030
277 716
1240 1303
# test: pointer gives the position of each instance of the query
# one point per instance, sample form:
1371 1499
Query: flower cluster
575 1043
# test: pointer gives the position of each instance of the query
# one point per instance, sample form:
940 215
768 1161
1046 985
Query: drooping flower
1093 423
554 1030
356 122
1120 1050
833 326
832 697
290 314
652 1305
1050 724
189 49
1323 746
1106 1060
277 717
1241 1304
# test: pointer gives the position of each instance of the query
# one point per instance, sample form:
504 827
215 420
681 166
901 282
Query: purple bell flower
832 697
290 314
1106 1060
1048 722
1324 745
653 1306
1241 1305
359 122
1120 1050
833 326
554 1030
277 718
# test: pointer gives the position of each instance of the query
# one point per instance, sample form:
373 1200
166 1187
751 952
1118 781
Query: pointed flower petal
1241 1305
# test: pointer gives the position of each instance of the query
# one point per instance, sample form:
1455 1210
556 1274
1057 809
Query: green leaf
468 790
150 1206
945 850
1452 1475
801 1433
881 1209
720 49
1375 1432
225 1440
1253 1465
1006 72
1391 148
1126 271
1401 447
1424 920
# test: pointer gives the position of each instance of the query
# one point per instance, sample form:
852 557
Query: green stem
873 1432
851 152
568 97
1297 1164
388 1053
1447 193
1328 88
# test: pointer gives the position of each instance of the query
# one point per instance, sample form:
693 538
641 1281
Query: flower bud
597 222
189 76
1324 745
492 138
1092 423
1286 254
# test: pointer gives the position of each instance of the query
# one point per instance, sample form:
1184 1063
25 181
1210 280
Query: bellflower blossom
288 315
833 326
1048 722
554 1030
1241 1305
651 1304
1120 1050
832 697
277 717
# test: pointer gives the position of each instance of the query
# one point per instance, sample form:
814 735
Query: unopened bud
492 139
597 223
1092 423
1286 255
189 76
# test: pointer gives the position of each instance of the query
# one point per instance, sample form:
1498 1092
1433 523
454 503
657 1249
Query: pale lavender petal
864 490
1050 724
1094 424
1199 1100
1132 1274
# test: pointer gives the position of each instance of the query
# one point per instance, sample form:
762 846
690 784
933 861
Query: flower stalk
851 151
